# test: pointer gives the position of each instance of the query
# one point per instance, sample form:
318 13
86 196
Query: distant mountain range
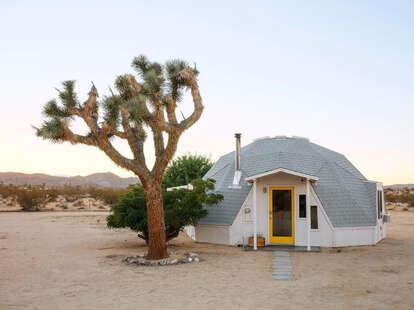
106 179
399 186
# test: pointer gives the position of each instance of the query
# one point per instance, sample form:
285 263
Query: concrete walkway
282 268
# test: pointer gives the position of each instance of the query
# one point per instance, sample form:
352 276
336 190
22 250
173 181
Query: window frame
300 217
314 207
379 204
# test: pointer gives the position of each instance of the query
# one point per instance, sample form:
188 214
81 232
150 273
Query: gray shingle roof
349 199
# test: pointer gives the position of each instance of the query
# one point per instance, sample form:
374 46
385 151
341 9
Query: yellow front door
281 215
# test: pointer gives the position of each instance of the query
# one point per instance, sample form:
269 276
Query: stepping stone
282 267
281 278
275 269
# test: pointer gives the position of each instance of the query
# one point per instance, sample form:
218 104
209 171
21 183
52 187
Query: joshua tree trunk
157 248
153 103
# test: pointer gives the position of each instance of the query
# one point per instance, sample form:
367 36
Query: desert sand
61 260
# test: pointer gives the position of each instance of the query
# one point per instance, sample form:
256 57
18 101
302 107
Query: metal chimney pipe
237 161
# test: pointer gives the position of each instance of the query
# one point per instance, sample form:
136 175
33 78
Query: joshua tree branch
191 82
173 135
119 134
128 131
171 106
105 145
73 138
89 111
157 120
135 138
162 161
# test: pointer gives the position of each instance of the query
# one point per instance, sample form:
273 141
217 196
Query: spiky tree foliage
128 113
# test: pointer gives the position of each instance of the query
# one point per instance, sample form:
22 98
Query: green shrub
109 195
182 207
185 169
31 199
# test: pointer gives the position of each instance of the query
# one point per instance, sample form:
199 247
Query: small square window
302 206
314 217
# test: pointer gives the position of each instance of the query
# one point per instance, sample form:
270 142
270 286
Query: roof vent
280 137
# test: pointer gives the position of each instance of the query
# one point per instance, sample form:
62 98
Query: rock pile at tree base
140 260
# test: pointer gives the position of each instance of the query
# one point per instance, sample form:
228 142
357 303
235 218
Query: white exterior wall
381 228
242 227
347 236
323 236
190 231
213 234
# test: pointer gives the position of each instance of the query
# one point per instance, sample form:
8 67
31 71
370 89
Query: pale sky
337 72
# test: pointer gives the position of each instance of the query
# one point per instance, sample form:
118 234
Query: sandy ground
60 260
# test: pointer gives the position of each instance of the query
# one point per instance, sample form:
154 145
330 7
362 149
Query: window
314 217
379 203
302 206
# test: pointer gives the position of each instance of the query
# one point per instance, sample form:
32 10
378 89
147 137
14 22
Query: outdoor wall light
265 189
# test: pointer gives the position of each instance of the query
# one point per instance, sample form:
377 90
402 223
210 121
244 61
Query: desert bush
50 193
400 196
182 207
71 191
7 191
30 199
109 195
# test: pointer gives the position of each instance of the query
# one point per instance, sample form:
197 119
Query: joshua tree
134 109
